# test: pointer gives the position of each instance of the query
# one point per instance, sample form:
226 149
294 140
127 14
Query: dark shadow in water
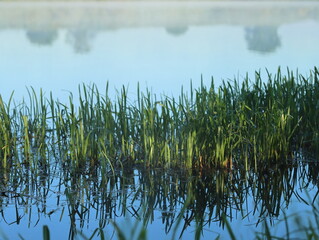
81 40
42 38
262 39
177 31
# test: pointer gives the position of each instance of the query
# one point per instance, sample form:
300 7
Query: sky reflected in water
160 45
160 55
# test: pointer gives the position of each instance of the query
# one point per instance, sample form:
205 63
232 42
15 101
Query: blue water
49 204
58 57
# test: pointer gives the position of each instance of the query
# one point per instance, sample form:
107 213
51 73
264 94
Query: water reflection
41 37
262 39
81 39
160 44
82 25
177 31
90 199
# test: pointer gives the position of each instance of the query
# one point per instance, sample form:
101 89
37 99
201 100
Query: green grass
253 124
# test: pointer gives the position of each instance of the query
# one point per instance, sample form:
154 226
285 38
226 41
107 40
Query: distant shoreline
118 14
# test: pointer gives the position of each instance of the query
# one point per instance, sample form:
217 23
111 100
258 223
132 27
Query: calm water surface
72 204
57 46
160 45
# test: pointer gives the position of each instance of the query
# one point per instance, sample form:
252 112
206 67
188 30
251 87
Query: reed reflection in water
182 203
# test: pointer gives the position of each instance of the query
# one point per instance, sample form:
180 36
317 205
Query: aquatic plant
260 128
252 124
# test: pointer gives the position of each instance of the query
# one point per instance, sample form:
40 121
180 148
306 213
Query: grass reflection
181 198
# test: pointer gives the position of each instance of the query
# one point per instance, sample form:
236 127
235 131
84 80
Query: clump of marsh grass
253 124
8 138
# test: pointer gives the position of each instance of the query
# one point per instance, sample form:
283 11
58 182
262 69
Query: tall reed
252 123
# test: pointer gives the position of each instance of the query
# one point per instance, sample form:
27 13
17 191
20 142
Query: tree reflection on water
262 39
42 37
